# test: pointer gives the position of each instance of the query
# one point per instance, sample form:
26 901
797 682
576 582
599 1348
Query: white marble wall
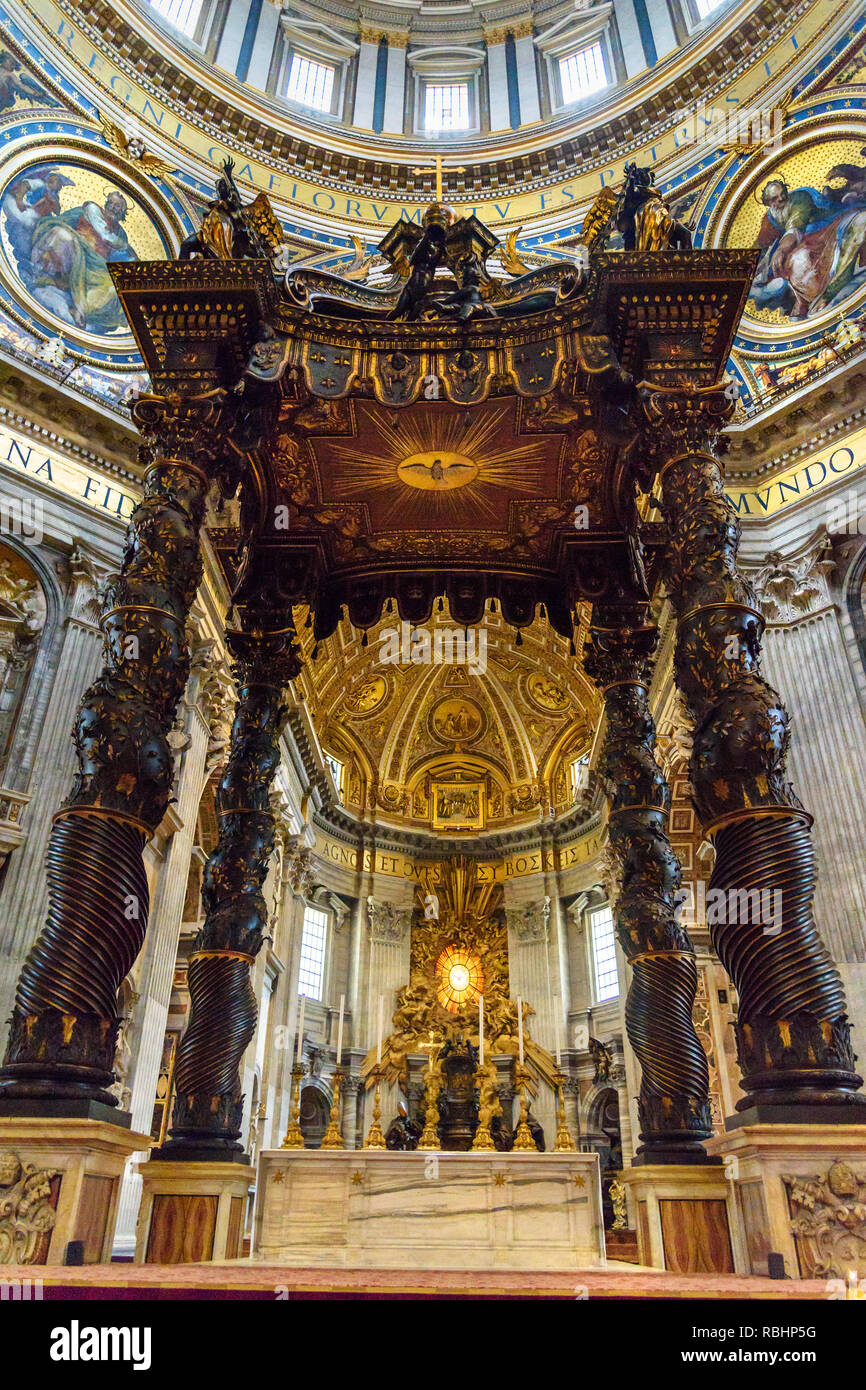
805 658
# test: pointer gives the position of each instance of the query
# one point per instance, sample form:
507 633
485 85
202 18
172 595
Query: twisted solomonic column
206 1124
793 1039
63 1031
673 1105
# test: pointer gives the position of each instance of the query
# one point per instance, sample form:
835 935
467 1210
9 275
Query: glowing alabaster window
582 73
459 979
604 954
446 107
310 84
311 974
183 14
706 7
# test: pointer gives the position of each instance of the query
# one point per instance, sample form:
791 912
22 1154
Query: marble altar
376 1209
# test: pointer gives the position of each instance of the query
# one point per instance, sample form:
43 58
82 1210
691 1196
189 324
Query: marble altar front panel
373 1209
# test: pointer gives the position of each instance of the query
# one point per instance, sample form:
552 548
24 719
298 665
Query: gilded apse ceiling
447 729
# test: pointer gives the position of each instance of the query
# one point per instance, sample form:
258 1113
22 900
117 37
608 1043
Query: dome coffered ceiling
446 729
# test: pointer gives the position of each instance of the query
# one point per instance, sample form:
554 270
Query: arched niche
315 1110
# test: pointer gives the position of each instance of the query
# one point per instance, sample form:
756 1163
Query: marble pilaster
24 902
529 973
527 79
629 37
497 84
263 47
804 656
395 87
365 83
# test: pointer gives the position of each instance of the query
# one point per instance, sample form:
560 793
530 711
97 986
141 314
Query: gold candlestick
294 1135
523 1138
333 1139
483 1138
564 1142
430 1137
375 1138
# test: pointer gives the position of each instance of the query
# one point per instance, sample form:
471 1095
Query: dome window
582 73
310 83
182 14
446 107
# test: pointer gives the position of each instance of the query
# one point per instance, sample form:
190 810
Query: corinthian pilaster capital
298 866
88 577
796 586
216 699
387 922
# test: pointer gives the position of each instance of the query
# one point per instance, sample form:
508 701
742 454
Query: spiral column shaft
206 1123
673 1104
793 1037
63 1032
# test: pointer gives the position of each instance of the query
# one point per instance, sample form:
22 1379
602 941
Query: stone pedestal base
66 1176
819 1237
683 1218
191 1212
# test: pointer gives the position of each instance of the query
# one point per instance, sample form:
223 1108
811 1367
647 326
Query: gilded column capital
620 654
680 422
185 427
